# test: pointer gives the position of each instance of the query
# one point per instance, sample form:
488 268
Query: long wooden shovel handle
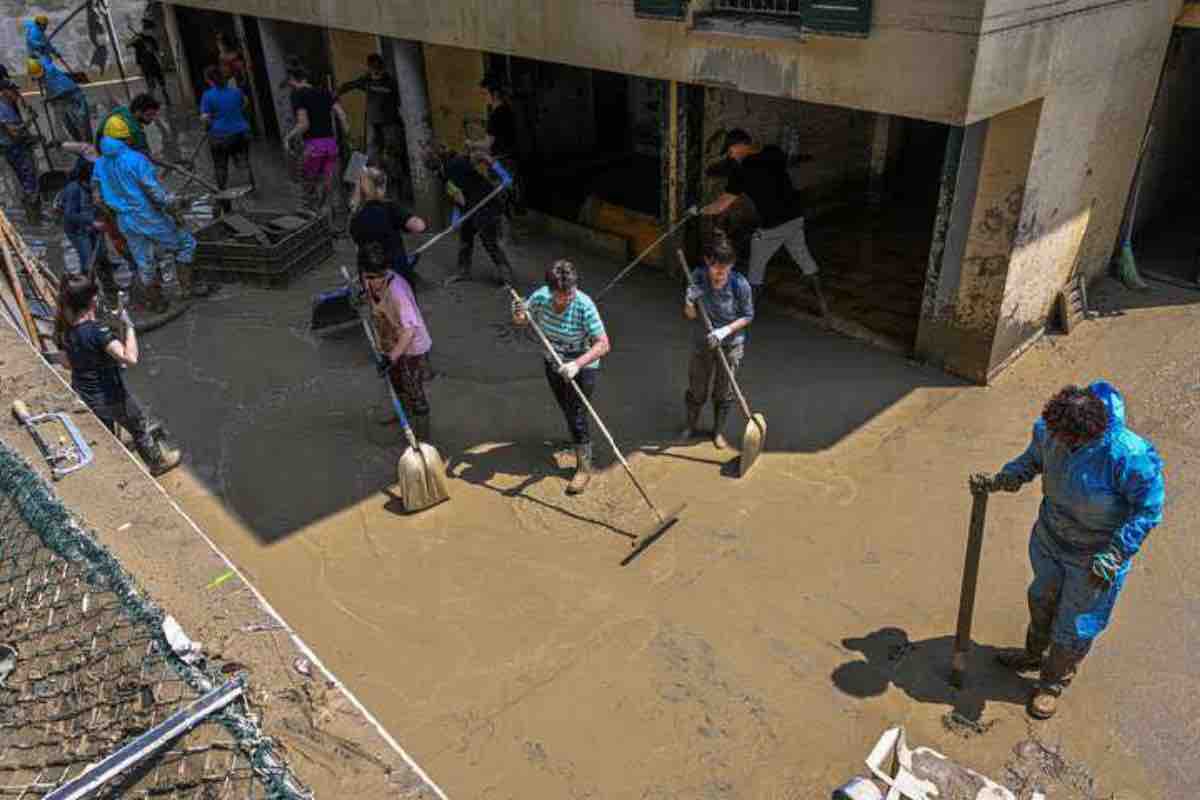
970 579
19 294
737 390
558 362
470 213
620 275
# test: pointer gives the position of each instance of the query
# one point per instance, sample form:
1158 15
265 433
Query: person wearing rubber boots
404 341
96 355
467 187
64 97
572 323
1103 493
729 301
145 212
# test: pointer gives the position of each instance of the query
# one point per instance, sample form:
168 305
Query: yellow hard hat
42 19
116 128
34 68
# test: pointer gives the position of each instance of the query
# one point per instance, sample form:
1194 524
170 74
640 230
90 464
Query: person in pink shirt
404 342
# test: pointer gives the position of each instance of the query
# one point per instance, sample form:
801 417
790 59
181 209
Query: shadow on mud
922 671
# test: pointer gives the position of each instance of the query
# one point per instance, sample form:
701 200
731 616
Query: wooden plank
14 284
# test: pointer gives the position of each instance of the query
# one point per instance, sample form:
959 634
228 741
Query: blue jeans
164 238
84 244
1065 607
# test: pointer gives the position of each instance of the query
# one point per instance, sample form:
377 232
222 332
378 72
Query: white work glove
568 371
518 308
693 294
694 211
717 336
125 318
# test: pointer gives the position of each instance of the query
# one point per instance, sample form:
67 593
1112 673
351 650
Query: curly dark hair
1076 413
561 277
718 249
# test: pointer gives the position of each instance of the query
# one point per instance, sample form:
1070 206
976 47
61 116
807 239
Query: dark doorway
587 137
198 29
269 125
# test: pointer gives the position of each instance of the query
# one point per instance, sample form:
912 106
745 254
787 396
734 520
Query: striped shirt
573 332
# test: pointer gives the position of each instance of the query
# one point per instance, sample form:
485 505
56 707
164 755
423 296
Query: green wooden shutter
838 17
661 9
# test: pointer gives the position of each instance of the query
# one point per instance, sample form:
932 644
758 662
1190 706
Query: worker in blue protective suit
143 208
64 96
37 43
1103 494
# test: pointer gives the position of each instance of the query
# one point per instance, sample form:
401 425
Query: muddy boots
159 456
1058 669
583 469
720 415
1028 659
693 421
189 286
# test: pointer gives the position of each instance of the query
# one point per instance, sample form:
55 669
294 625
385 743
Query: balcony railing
772 8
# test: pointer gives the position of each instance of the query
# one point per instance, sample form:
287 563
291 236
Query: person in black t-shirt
147 54
316 111
502 136
761 174
467 188
383 103
378 225
96 356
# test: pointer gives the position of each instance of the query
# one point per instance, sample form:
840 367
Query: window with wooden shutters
837 17
661 9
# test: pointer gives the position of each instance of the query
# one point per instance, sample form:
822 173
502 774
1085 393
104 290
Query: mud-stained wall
453 75
1171 170
838 139
917 61
348 51
1092 126
73 39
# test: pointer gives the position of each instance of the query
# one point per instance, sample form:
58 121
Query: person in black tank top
96 355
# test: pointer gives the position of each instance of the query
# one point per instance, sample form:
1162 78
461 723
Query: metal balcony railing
773 8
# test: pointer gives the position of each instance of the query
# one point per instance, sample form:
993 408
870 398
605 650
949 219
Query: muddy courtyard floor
755 651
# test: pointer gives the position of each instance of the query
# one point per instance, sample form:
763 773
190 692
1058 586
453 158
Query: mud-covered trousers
488 231
20 158
1067 610
573 409
408 374
129 415
705 372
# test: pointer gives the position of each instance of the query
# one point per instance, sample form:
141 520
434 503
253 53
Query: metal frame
771 8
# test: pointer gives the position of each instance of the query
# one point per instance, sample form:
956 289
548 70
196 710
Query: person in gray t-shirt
728 300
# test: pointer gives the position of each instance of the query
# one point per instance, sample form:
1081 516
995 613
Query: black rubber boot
160 457
692 422
720 415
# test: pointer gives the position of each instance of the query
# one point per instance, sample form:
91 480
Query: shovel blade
753 439
421 478
333 309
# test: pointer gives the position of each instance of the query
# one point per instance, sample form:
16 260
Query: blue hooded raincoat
37 44
131 190
1105 496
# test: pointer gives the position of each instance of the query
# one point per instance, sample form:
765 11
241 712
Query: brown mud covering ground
755 651
330 746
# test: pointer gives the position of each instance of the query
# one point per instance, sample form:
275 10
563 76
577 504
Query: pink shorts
320 158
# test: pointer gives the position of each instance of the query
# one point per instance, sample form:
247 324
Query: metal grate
775 8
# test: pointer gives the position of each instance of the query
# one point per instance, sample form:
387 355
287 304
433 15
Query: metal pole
116 46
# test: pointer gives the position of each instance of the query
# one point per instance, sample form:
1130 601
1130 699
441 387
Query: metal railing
773 8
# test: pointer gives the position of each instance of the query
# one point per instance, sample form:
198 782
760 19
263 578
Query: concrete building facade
968 156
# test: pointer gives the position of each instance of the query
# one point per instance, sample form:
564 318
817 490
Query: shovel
421 472
663 521
756 424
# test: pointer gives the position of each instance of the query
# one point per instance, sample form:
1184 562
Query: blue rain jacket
57 82
1108 492
79 211
131 189
37 44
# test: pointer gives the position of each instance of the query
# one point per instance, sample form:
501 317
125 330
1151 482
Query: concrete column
274 53
239 26
408 61
880 149
682 167
977 224
183 70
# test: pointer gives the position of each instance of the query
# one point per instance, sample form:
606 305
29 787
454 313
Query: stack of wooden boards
28 291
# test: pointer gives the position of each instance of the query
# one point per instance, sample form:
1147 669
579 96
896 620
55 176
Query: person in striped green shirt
572 323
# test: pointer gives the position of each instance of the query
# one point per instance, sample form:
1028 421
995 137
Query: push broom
662 521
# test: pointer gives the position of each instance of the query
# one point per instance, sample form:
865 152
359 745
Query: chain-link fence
85 666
